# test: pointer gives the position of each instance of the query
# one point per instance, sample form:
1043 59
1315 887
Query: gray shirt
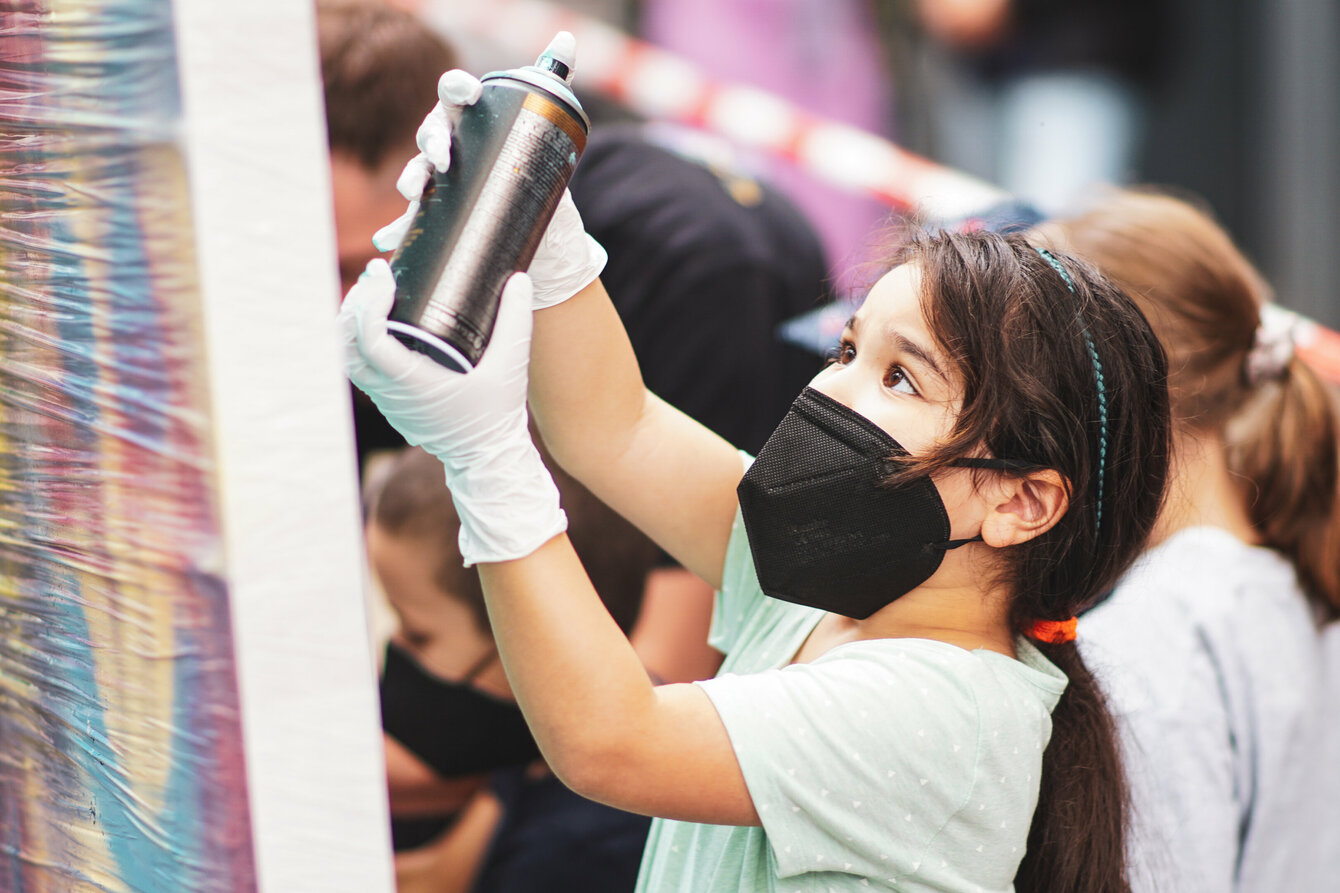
1212 662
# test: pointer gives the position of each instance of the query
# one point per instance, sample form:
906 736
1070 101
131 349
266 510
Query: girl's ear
1025 507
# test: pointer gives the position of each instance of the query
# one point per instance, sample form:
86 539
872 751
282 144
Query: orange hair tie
1054 631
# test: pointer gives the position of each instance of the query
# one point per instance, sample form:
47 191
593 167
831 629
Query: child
1224 761
446 700
983 458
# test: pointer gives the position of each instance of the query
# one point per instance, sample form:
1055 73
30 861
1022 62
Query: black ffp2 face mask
824 528
452 726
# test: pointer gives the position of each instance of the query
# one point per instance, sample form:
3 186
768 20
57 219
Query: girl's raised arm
662 470
666 473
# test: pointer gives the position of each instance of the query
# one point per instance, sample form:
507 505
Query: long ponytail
1060 371
1076 842
1284 447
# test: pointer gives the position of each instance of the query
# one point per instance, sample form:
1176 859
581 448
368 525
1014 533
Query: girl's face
889 369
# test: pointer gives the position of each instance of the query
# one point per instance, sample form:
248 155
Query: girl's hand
474 423
567 259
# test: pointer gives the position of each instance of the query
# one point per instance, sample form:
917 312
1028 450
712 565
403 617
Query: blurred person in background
1046 98
823 55
501 823
1209 648
379 70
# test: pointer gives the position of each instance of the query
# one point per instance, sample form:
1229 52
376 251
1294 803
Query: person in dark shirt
1047 98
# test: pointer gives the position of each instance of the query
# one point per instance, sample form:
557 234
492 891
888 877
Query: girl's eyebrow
917 352
905 345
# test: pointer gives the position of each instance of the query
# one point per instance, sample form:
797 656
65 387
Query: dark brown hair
413 502
1204 299
1024 341
379 66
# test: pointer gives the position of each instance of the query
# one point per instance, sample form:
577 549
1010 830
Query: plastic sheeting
121 762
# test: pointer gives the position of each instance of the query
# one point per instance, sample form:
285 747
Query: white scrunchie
1273 348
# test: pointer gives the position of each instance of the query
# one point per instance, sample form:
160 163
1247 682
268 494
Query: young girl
982 459
1218 697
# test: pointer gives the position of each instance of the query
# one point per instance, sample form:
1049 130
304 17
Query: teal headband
1098 380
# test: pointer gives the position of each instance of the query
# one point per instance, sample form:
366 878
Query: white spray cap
560 57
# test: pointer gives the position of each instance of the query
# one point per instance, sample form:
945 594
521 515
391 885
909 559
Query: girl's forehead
894 303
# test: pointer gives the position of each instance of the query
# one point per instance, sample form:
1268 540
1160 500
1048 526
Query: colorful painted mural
121 763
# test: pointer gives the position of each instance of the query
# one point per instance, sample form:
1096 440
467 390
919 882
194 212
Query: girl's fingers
458 88
389 237
414 177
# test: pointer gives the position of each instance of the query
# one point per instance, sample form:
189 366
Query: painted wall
154 579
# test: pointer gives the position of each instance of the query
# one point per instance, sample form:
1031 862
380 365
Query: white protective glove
567 259
474 422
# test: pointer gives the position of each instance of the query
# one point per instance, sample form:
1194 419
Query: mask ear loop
1098 381
950 545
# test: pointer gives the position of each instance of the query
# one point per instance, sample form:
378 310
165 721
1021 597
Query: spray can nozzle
560 57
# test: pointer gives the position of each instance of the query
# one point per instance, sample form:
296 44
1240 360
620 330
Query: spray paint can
481 220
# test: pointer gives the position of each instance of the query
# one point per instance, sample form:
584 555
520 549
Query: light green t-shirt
897 764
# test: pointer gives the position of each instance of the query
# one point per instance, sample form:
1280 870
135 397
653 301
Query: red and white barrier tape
665 86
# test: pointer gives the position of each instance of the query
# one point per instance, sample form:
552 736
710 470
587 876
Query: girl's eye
895 379
843 354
